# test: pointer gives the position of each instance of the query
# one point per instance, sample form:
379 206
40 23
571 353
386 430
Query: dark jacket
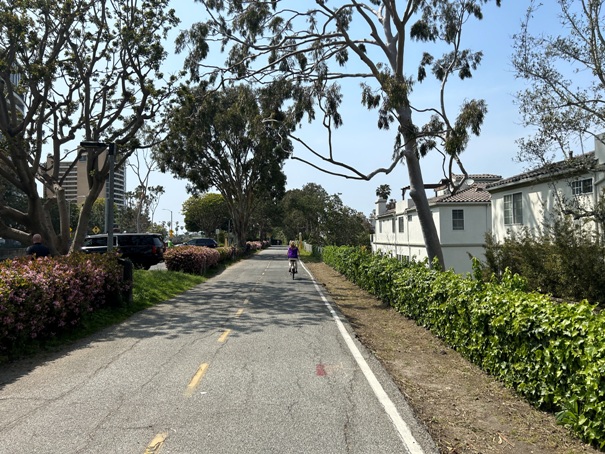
38 249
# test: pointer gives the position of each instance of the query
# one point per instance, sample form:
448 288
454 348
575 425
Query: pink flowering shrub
258 245
254 245
41 297
191 259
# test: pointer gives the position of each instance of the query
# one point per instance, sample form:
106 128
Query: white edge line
402 428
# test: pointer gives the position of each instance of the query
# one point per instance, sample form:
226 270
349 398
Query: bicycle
293 269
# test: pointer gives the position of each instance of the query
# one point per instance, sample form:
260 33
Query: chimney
381 206
599 148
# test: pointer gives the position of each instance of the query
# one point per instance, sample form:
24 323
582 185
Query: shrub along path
464 409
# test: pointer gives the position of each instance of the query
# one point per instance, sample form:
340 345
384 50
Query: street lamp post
170 233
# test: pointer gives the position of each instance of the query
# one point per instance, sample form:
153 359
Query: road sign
96 230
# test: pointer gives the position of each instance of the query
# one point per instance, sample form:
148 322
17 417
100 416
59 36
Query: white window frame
513 208
401 224
580 187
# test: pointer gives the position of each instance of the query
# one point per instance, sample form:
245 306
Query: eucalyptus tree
318 44
564 99
145 198
563 67
71 72
219 139
140 205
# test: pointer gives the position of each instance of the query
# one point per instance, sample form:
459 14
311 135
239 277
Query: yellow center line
224 336
195 381
156 444
239 312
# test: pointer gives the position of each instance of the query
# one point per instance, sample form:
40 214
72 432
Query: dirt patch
464 409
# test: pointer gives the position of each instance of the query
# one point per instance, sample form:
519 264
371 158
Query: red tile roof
473 194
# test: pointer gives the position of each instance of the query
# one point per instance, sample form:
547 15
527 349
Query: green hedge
551 353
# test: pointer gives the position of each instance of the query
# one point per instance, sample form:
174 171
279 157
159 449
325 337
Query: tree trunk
417 192
425 216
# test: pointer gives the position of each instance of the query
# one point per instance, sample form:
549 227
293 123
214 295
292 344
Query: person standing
37 249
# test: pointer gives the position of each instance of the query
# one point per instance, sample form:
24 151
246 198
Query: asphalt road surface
249 362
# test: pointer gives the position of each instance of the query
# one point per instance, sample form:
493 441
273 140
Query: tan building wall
76 186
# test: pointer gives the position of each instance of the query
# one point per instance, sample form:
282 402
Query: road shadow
271 298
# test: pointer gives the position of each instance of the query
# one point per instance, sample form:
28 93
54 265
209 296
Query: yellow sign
95 230
171 233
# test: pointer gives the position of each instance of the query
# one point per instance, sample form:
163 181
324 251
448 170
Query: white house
491 204
529 199
461 221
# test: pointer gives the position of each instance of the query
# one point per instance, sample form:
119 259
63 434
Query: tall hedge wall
551 353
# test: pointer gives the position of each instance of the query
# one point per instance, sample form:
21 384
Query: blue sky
361 143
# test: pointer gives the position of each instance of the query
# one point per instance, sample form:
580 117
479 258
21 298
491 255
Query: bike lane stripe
196 379
401 426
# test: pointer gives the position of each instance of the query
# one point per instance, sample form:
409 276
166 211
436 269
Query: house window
380 226
513 209
581 186
393 225
409 218
458 219
400 224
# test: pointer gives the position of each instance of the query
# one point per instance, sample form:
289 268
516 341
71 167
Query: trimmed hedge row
41 297
551 353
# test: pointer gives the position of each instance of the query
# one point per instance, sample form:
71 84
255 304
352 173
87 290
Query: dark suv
143 249
208 242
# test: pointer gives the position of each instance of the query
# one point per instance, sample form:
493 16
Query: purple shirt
293 252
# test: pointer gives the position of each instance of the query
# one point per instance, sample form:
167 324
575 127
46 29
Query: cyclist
293 257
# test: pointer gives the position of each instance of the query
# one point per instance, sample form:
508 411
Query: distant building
491 204
76 184
461 220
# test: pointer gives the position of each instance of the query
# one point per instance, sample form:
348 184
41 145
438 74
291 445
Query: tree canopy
563 67
322 219
69 72
316 44
219 139
206 213
564 100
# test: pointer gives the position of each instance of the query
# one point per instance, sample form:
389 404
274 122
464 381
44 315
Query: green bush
564 261
551 353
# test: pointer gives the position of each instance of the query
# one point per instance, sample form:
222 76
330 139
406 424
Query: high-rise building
76 185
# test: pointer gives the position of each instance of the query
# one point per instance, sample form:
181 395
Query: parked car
208 242
143 249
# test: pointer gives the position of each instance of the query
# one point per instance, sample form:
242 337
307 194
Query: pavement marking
401 426
195 381
320 370
156 444
239 312
224 336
